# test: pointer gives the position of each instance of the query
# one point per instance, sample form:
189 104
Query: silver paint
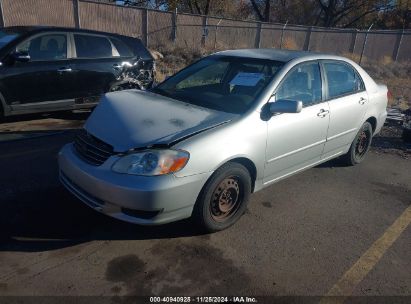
277 147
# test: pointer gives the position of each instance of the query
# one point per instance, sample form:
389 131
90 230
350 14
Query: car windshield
224 83
6 37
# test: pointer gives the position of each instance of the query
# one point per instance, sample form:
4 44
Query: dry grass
397 76
175 58
386 60
290 44
353 57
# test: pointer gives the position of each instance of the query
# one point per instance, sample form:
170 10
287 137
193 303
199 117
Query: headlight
152 162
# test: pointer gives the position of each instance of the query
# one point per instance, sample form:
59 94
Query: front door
296 140
46 77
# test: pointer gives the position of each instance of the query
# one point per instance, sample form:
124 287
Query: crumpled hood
136 119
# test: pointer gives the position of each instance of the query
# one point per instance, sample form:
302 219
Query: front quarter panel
244 138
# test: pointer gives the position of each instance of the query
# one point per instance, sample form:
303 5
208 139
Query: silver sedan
201 142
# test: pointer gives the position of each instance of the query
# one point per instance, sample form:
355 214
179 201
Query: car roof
276 54
35 29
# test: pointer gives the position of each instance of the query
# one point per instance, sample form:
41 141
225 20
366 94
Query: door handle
117 66
63 70
323 113
362 101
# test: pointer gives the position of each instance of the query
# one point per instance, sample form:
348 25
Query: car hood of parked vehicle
135 119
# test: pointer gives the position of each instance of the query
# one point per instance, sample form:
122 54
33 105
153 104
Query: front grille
91 149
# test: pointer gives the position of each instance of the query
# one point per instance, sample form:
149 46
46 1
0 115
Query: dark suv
46 69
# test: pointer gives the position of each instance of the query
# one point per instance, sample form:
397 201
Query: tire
1 114
406 135
360 145
223 199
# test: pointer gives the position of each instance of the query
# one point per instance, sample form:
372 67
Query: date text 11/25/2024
203 300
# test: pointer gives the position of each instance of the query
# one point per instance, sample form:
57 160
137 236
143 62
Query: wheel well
250 167
2 106
373 121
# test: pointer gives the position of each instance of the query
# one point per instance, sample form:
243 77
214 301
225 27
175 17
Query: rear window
89 46
138 48
122 48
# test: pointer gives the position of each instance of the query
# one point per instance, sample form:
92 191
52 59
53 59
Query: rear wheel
224 198
360 146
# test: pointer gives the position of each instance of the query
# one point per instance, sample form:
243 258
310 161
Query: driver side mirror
285 106
21 56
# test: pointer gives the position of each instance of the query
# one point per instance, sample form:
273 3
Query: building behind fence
192 31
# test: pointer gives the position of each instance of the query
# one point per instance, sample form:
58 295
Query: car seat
52 51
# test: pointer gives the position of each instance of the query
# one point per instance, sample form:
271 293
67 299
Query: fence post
365 43
205 31
282 35
76 14
257 41
144 26
174 24
307 39
1 14
216 31
353 41
397 46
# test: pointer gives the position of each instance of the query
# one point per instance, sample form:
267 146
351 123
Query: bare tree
328 13
346 13
262 15
201 7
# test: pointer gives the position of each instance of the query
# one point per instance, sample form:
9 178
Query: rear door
97 64
348 100
46 77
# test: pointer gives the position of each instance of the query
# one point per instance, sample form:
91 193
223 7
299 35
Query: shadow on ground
52 218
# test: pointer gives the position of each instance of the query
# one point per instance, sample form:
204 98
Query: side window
45 47
89 46
122 48
303 83
342 79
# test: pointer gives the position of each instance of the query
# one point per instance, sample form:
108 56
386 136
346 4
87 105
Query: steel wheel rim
226 199
362 144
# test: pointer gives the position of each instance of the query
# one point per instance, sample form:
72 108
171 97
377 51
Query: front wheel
360 146
223 199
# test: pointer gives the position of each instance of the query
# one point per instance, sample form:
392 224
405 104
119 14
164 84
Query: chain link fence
157 28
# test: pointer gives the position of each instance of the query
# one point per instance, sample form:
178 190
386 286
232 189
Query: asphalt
298 237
